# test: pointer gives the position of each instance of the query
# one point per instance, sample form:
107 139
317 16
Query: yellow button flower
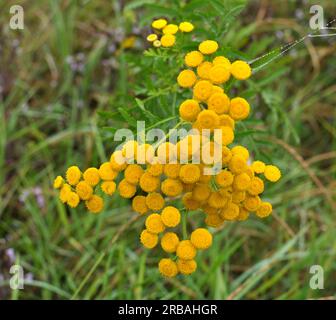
73 199
216 200
186 267
201 192
190 173
73 175
219 74
202 90
106 172
126 189
201 238
224 178
241 70
238 196
272 173
84 190
91 176
95 204
230 212
226 121
193 59
155 201
241 182
252 203
129 150
157 43
148 239
219 102
208 46
159 24
169 242
239 109
108 187
186 78
155 168
203 70
168 40
139 204
172 170
264 210
133 173
58 182
237 164
256 186
208 119
168 268
170 29
171 187
258 166
154 223
149 183
242 151
220 60
118 161
152 37
185 250
170 216
64 193
186 26
224 136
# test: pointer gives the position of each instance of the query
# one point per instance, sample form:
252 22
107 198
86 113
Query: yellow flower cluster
210 107
165 33
203 171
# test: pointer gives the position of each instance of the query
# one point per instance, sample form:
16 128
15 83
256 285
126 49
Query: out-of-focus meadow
71 77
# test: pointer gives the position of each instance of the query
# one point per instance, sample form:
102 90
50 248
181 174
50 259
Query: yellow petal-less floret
168 268
157 43
224 178
154 223
118 161
201 192
226 121
219 74
241 70
168 40
91 176
221 60
58 182
193 59
109 187
238 196
73 175
186 267
189 202
139 204
237 164
208 119
73 199
133 173
106 172
155 168
148 239
219 102
230 212
172 170
185 250
272 173
186 26
155 201
258 166
189 110
216 200
242 151
159 24
84 190
152 37
190 173
171 187
256 186
126 189
95 204
149 183
208 46
202 89
239 109
264 210
224 136
186 78
201 238
241 182
169 242
170 216
203 70
170 29
252 203
64 193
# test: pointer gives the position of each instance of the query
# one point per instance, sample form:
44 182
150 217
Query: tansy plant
201 172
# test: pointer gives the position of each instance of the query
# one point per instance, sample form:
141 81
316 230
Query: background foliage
78 71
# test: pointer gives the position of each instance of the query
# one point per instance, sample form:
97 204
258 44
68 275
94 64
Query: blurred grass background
71 76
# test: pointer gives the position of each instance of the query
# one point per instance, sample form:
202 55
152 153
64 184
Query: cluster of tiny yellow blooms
156 178
165 33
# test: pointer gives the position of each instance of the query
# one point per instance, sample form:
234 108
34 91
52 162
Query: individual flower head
84 190
186 78
168 40
170 216
155 201
203 70
169 242
91 176
109 187
154 223
152 37
73 175
139 204
148 239
133 173
168 268
186 267
219 102
241 70
193 59
186 250
171 187
239 109
159 24
186 26
201 238
272 173
258 166
208 47
58 182
149 183
202 90
126 189
219 74
264 210
190 173
106 172
170 29
95 204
